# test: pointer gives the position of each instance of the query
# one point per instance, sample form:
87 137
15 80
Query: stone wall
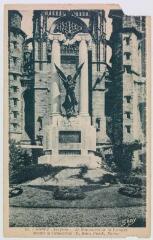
16 39
15 19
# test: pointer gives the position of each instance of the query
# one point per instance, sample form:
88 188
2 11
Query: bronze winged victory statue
69 83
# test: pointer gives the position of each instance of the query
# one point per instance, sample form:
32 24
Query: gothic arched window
69 26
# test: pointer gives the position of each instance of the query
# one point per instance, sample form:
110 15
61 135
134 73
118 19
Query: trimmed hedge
132 191
13 192
68 194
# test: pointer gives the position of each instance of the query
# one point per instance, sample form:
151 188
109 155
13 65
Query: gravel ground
107 217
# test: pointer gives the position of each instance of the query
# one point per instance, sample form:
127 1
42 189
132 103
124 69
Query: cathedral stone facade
67 103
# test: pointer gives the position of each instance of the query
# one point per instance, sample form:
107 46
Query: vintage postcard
77 121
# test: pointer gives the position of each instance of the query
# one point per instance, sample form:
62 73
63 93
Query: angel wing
61 74
77 72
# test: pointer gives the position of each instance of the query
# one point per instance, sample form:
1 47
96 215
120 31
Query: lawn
70 217
95 196
92 205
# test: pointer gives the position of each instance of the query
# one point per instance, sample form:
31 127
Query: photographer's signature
127 222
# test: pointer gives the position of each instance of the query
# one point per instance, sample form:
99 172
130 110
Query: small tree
123 154
18 157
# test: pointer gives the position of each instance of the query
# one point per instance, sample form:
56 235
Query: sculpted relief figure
69 83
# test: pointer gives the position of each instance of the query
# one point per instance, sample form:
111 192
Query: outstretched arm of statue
77 73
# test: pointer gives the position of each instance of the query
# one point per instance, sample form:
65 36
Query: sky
26 24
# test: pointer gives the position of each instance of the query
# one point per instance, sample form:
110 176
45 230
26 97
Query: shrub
13 192
132 191
19 158
109 178
123 154
134 180
68 194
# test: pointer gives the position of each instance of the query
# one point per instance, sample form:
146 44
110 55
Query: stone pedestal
70 143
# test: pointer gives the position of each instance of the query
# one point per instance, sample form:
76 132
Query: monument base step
92 162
